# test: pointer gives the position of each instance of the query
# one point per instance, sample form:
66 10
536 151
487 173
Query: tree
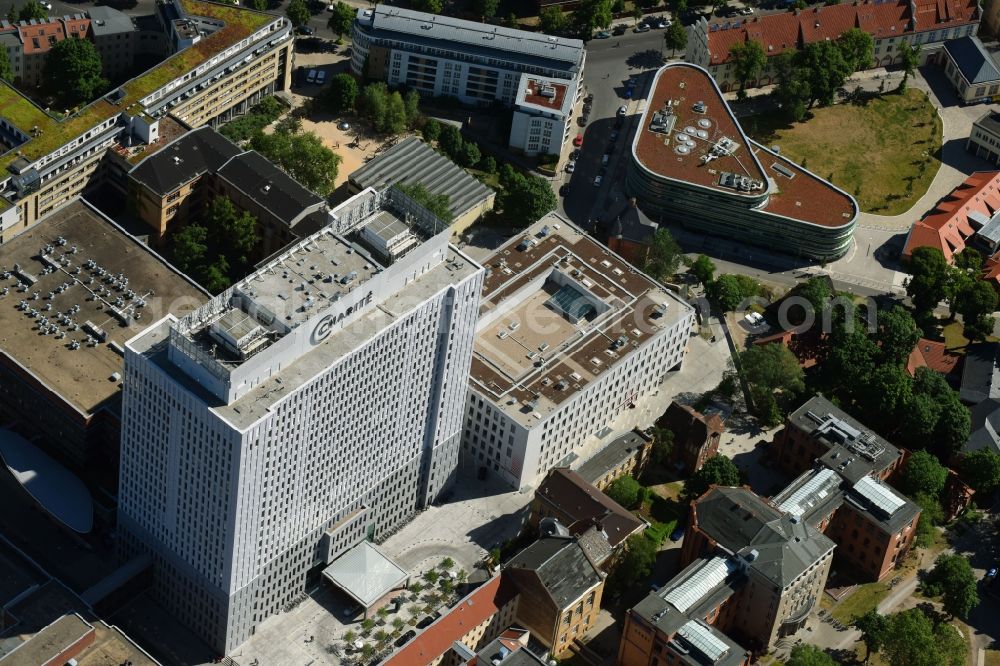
552 20
896 335
637 13
489 164
303 156
826 69
923 474
411 103
729 291
618 6
373 103
664 256
851 359
749 60
230 231
625 490
703 269
931 514
969 259
6 73
298 12
884 395
981 470
636 564
909 56
341 94
953 578
72 72
663 445
431 130
486 9
431 6
350 636
675 38
259 5
909 640
398 624
431 576
976 303
717 470
857 47
772 372
32 9
809 655
928 281
215 278
450 140
438 204
470 155
189 247
817 291
394 122
341 18
525 199
592 15
873 627
794 90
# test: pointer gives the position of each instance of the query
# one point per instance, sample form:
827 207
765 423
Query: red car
578 141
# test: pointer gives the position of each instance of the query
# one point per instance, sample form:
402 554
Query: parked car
311 76
564 190
589 99
642 27
571 167
321 77
677 534
578 141
575 155
614 135
622 110
597 180
344 126
628 92
747 11
47 5
603 34
604 159
619 30
304 30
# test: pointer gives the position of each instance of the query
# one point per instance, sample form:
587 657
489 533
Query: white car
571 167
622 110
598 180
47 5
604 159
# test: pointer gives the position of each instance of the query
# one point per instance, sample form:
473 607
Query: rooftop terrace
72 289
558 310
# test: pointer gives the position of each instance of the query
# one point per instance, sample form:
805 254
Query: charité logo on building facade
326 324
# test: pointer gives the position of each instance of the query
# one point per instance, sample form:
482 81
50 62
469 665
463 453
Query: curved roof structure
54 487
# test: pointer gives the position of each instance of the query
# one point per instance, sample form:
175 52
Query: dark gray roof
989 121
413 161
657 612
197 152
108 21
985 427
459 35
498 653
631 225
610 456
980 375
972 60
270 187
742 522
561 565
817 410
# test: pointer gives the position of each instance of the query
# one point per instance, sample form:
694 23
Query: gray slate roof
108 21
413 161
985 427
269 186
989 121
821 407
561 565
739 520
975 63
610 456
481 38
199 151
980 374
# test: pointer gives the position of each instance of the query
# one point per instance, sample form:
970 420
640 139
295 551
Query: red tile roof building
925 22
934 355
947 226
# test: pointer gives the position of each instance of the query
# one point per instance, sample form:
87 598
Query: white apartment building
569 336
543 115
313 405
445 56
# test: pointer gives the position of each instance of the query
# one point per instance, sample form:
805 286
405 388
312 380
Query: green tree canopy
592 15
923 474
450 140
636 564
717 470
809 655
663 445
896 336
230 231
341 18
794 89
931 514
772 370
552 20
826 68
909 640
817 291
470 155
72 73
439 204
749 60
664 256
625 490
298 12
873 627
909 56
976 303
32 9
703 269
303 156
857 47
431 6
340 95
729 291
431 130
675 37
981 470
969 259
486 9
929 279
953 578
6 73
189 247
395 121
525 199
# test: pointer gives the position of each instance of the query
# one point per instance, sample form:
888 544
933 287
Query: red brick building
696 436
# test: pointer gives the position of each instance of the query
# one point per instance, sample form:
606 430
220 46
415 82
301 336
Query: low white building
543 115
569 336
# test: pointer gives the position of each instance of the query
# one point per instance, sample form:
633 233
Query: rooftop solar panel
690 590
703 640
810 493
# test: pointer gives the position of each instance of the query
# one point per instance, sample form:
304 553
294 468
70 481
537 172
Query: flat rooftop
89 250
558 310
552 95
688 133
106 645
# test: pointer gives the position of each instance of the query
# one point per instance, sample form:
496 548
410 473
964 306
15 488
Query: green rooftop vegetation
24 114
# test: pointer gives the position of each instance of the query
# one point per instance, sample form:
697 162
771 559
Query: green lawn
955 339
874 152
859 602
663 515
992 658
